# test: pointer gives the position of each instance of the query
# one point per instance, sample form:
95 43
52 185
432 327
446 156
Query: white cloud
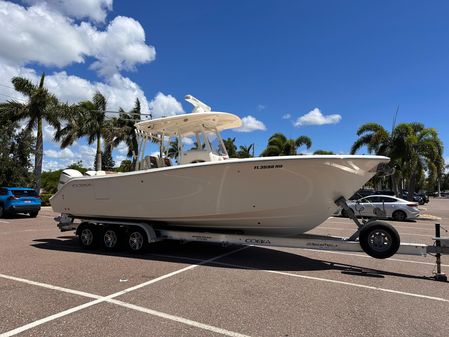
286 116
59 154
118 159
120 47
122 148
249 124
91 9
48 132
119 91
51 165
315 117
165 105
39 34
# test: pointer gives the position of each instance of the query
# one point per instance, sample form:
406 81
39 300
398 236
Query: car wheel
1 212
379 240
137 240
399 216
344 213
34 214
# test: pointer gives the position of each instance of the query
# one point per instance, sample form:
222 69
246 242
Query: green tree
231 148
15 153
125 131
279 145
419 149
245 151
41 106
375 138
173 149
412 148
323 152
86 119
108 163
125 166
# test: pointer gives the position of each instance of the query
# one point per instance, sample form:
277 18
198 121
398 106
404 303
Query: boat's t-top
191 138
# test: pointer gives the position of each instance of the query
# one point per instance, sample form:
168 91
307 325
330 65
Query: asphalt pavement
49 286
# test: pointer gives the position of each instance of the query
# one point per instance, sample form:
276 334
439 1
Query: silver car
384 206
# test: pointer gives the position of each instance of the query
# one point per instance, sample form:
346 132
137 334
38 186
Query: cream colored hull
283 195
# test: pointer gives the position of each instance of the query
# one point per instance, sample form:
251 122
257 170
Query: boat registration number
265 167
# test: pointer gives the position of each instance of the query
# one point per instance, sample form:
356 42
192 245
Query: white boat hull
282 195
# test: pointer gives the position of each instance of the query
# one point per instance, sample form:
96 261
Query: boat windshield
209 140
215 142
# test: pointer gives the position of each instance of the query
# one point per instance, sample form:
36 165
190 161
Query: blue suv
19 200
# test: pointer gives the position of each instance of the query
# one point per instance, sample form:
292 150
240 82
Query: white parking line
109 298
358 285
178 319
50 318
49 286
2 221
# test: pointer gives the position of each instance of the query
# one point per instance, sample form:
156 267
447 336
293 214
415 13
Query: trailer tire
379 239
87 235
111 238
137 240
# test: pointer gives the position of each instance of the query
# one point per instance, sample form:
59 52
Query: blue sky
265 59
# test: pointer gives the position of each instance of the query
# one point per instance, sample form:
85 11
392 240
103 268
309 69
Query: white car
384 206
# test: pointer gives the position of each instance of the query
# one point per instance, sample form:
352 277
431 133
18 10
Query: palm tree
374 137
379 141
173 150
411 147
419 149
279 145
231 149
87 118
41 106
322 152
125 131
245 151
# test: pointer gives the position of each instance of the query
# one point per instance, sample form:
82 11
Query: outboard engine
95 173
66 175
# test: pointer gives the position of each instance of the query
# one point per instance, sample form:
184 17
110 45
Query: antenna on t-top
394 118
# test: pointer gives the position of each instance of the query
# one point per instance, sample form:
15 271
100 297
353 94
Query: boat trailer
376 238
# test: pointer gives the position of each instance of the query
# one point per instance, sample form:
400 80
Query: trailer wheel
379 240
87 235
111 238
137 240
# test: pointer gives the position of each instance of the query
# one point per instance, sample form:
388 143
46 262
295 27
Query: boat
205 189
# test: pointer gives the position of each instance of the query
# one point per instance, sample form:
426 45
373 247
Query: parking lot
51 287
